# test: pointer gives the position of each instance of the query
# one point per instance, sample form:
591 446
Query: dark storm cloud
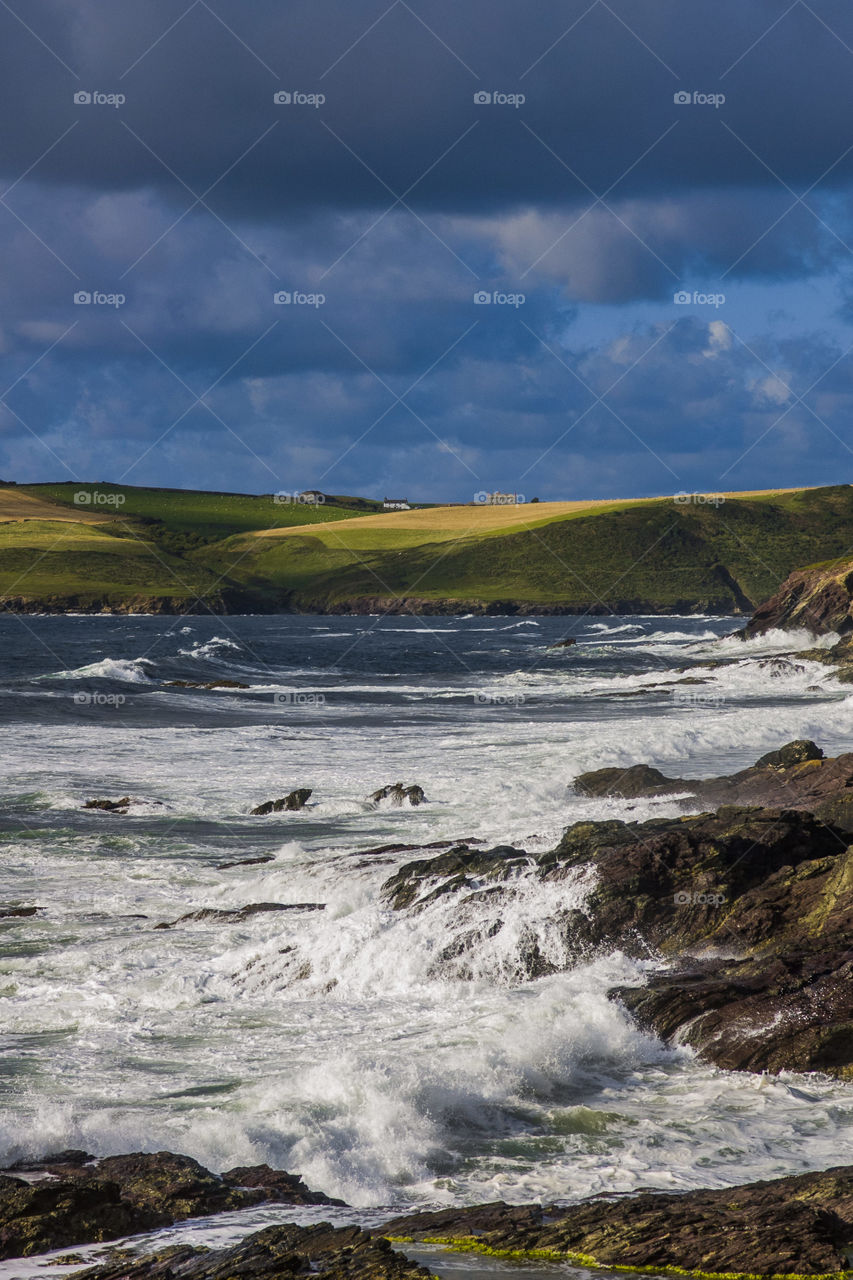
400 93
599 189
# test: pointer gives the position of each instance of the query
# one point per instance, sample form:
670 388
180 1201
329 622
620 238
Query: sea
341 1039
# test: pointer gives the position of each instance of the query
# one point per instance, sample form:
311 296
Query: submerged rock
245 862
798 1226
110 806
238 914
276 1253
290 803
398 794
85 1202
207 684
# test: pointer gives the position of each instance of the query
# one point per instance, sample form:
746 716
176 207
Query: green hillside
655 555
173 550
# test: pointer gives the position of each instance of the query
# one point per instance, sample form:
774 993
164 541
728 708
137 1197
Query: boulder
398 794
290 803
87 1201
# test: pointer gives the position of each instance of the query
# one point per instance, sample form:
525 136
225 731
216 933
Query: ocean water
348 1044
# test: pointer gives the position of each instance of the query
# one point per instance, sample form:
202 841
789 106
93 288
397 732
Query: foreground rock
799 1226
84 1202
291 803
343 1253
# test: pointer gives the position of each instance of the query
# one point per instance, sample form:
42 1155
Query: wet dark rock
11 913
237 914
752 906
626 784
798 1226
398 794
818 599
410 848
776 668
245 862
110 806
290 803
792 753
85 1203
797 776
207 684
765 894
281 1187
276 1253
57 1162
564 644
459 868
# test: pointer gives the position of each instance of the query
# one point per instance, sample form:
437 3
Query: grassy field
50 559
625 555
184 518
241 552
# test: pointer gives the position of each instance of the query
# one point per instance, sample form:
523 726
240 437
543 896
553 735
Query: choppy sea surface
335 1043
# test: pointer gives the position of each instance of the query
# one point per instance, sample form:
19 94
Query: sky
561 248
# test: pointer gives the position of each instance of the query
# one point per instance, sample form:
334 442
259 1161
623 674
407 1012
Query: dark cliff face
817 599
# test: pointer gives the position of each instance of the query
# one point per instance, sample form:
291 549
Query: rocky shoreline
792 1227
232 602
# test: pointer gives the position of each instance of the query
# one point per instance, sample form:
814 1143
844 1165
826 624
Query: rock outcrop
276 1253
237 915
400 795
83 1201
818 599
291 803
751 905
797 776
799 1226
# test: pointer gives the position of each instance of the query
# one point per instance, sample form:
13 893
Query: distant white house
395 504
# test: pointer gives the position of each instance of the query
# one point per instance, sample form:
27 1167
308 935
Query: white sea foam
387 1056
